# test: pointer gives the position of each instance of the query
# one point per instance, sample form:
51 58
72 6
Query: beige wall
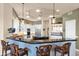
5 19
1 25
1 21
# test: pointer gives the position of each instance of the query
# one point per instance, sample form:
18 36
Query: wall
59 19
1 21
1 24
70 16
7 19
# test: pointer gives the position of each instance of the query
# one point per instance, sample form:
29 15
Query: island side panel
32 47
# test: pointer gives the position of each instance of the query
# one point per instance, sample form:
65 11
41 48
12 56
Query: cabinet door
38 32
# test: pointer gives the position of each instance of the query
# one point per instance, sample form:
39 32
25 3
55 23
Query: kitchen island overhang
36 43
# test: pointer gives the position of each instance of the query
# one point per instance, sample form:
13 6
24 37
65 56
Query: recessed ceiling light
39 18
28 16
38 10
57 10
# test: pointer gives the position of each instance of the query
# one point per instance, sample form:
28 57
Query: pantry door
70 29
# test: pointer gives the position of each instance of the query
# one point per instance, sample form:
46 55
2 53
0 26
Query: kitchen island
32 44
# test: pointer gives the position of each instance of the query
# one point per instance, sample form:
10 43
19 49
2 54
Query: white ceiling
46 9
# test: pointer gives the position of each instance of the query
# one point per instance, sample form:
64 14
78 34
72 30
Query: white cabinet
56 31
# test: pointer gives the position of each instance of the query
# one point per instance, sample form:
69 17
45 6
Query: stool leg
5 52
27 53
62 54
55 51
2 52
68 53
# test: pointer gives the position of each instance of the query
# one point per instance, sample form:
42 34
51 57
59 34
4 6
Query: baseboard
77 50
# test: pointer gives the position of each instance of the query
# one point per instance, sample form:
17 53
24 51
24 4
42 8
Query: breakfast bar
32 44
39 29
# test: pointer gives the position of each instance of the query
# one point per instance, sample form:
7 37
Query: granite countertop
42 41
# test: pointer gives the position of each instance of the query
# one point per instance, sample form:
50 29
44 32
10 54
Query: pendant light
22 10
22 18
53 18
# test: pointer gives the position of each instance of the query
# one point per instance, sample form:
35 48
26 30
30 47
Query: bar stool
16 51
63 49
5 47
43 50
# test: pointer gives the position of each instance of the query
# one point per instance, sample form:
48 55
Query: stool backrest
14 49
3 43
44 50
67 46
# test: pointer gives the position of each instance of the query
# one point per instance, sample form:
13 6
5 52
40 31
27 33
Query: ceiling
46 9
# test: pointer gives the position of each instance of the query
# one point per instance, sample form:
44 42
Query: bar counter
32 44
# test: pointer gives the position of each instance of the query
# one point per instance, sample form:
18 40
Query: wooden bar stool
63 49
16 51
43 50
5 47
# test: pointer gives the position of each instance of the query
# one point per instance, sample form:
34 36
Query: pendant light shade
23 10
